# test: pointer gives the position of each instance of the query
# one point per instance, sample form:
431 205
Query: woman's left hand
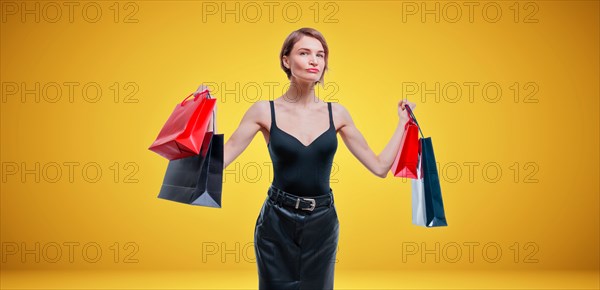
402 112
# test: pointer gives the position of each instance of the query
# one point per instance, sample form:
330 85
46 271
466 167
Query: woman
296 233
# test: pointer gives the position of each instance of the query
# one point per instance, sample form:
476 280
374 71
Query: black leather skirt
295 241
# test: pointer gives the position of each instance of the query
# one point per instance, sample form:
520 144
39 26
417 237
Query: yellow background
541 210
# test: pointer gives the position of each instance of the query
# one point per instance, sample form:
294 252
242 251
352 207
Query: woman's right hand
200 89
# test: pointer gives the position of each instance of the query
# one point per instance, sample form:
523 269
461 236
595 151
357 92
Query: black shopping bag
197 180
427 202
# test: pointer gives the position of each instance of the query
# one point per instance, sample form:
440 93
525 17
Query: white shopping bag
419 215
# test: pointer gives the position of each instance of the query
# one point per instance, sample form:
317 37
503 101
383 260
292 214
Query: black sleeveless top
299 169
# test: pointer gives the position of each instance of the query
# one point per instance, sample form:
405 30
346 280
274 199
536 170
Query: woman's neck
301 94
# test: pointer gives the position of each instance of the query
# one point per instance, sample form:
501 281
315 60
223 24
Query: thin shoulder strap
330 115
272 113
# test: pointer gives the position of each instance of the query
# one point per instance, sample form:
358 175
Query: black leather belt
299 202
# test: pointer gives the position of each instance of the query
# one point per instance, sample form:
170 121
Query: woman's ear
285 62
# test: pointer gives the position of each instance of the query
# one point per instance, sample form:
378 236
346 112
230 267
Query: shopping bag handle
412 116
214 113
196 96
214 116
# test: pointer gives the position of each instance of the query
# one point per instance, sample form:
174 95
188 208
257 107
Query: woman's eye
319 55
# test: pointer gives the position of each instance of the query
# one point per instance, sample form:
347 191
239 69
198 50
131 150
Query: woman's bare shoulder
259 112
259 108
341 116
339 109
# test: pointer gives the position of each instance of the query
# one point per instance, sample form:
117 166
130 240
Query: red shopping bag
405 164
183 133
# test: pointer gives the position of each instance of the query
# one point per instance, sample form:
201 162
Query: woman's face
306 60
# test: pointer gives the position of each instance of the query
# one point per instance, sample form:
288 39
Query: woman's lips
313 70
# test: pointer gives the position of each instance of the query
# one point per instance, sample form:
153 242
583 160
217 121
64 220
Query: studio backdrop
507 90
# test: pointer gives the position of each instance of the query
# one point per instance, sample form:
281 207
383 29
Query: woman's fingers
410 104
403 104
201 88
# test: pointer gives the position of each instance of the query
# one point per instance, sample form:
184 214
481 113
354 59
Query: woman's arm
356 143
243 135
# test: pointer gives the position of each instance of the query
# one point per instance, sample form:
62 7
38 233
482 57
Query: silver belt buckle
313 203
